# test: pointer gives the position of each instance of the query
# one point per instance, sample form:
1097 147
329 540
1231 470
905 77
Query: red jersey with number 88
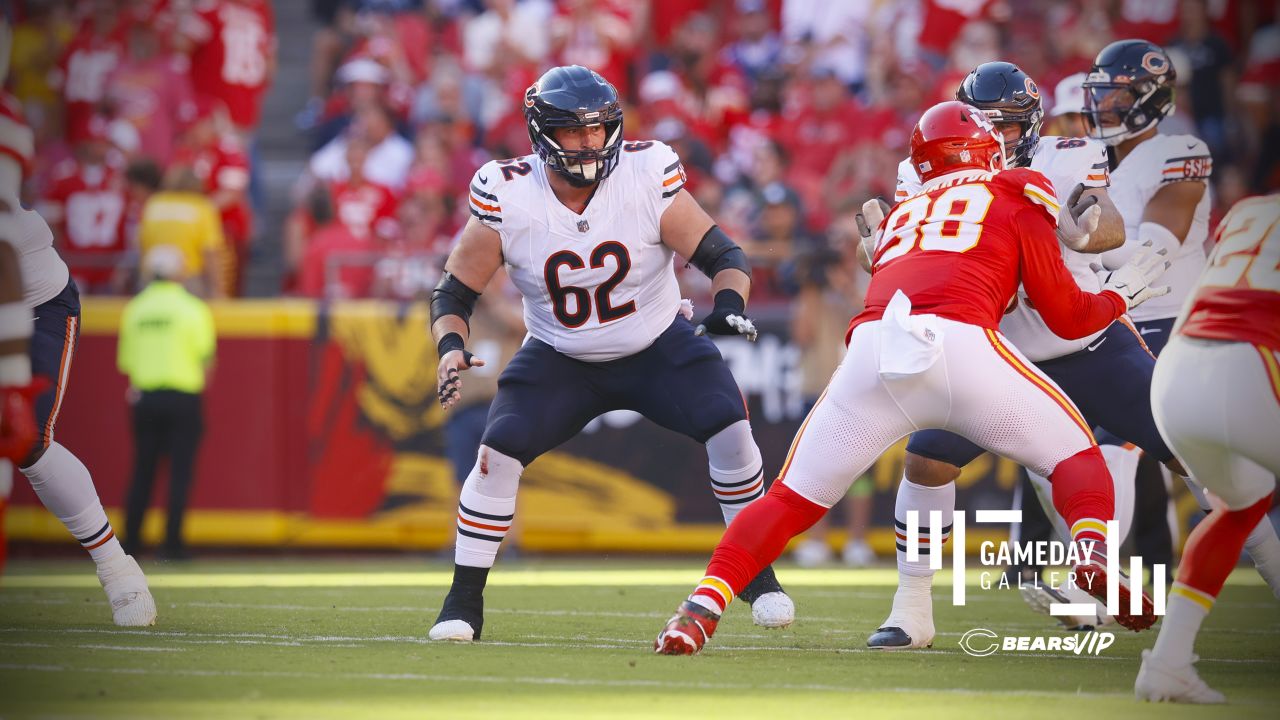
960 248
1238 296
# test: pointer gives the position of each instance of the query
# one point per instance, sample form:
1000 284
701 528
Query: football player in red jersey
1216 398
927 353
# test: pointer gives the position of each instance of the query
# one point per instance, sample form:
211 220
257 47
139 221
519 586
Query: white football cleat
126 588
452 630
1158 682
907 628
773 610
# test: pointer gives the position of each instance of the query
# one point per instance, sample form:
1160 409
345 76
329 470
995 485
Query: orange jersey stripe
64 369
495 528
1271 360
1043 384
671 180
482 206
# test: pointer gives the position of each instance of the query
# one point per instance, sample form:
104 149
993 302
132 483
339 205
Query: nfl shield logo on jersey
583 226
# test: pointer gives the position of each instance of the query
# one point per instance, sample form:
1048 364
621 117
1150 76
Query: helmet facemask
584 167
1115 112
1019 153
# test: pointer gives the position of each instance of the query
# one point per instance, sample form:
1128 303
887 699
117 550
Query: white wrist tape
15 321
1161 238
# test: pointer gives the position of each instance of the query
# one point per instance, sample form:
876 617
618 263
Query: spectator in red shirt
1152 20
941 19
215 155
830 122
598 34
152 91
85 207
87 61
232 44
367 209
335 264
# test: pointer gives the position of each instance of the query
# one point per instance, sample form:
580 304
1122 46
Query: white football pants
906 374
1217 404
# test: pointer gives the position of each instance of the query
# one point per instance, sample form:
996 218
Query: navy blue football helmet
573 96
1128 90
1004 93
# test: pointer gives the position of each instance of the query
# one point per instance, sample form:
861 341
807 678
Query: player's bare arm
1109 234
471 265
1172 209
688 230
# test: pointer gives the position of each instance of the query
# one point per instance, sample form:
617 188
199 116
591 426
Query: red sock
1084 496
1214 546
756 538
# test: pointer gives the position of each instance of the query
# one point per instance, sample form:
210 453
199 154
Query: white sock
486 508
65 487
926 500
737 473
914 591
1264 549
1044 493
1177 638
1122 462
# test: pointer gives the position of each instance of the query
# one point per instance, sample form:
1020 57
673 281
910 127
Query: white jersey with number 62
600 285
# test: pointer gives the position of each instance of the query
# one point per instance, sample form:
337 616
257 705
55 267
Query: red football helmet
953 136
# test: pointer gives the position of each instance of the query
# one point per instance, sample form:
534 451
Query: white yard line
540 641
536 680
123 648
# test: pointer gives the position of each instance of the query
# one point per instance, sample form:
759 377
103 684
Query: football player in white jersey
58 477
1107 374
587 228
1160 186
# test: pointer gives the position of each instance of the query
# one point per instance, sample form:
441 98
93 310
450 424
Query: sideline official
166 348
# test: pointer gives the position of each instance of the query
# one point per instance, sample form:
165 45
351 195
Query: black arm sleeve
452 297
717 252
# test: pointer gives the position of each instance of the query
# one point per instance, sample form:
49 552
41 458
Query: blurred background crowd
787 114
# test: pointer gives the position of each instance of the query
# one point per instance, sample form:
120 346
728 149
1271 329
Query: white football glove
873 213
1078 219
1132 281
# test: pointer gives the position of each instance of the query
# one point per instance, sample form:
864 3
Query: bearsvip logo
981 642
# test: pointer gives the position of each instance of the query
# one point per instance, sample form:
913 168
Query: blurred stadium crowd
786 113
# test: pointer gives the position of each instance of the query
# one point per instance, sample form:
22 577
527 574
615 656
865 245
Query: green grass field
347 639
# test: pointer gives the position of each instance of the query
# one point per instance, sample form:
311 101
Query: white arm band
1160 236
15 321
15 370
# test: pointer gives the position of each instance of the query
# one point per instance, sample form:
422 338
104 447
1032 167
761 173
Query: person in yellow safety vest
166 349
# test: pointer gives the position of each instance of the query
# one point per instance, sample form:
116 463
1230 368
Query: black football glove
729 317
